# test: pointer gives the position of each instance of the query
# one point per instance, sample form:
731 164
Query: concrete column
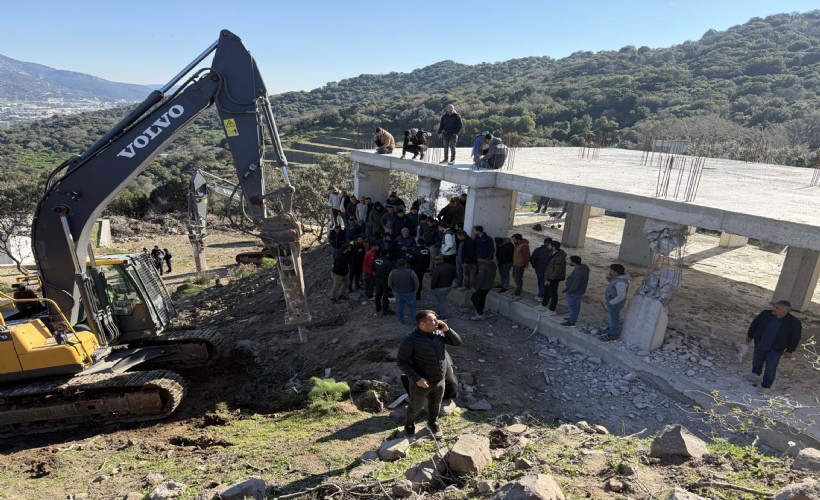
513 208
370 181
489 207
634 245
428 187
575 225
798 277
103 233
728 240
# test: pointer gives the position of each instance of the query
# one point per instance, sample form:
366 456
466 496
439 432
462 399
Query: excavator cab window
122 294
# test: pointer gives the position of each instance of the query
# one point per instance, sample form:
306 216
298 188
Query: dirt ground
500 362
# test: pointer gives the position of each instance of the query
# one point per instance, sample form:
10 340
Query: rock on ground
394 449
807 490
169 489
530 487
470 454
808 459
250 488
676 440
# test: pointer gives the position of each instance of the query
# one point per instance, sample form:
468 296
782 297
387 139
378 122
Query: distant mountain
30 82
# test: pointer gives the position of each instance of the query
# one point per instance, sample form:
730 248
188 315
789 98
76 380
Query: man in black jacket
448 130
339 273
776 333
422 357
381 271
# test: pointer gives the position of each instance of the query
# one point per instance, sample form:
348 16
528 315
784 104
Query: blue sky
301 45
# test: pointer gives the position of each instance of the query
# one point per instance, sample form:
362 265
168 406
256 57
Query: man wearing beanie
614 299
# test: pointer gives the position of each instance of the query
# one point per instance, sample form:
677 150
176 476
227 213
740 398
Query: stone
369 401
594 360
153 479
705 362
690 373
645 323
682 494
615 485
628 469
808 459
448 407
470 455
806 490
676 440
365 469
569 429
420 475
485 487
169 489
368 456
524 464
600 429
253 487
395 449
517 429
480 405
630 377
133 495
403 489
531 487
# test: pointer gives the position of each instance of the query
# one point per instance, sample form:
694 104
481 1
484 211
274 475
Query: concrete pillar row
798 277
575 225
371 181
634 247
490 208
729 240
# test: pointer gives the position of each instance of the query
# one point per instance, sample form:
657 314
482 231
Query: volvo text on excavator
98 350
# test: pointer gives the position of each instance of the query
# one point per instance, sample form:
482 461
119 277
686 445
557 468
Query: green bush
327 390
268 263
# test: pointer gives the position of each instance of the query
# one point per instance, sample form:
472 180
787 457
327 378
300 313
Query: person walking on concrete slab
422 358
576 286
775 333
614 299
448 130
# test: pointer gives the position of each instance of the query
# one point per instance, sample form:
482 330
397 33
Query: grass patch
747 462
268 263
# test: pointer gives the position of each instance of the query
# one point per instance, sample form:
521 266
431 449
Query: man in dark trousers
381 271
420 260
422 357
555 273
776 333
539 260
448 131
167 258
441 282
576 286
158 256
339 275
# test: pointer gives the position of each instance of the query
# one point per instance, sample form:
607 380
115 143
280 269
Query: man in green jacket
555 273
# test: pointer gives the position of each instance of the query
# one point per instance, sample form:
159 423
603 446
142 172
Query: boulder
807 490
169 489
403 489
530 487
808 459
470 455
393 450
676 440
250 488
369 401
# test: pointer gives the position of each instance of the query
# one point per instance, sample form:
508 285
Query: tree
19 195
311 183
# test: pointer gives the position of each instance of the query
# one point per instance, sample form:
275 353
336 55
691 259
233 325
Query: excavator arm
67 212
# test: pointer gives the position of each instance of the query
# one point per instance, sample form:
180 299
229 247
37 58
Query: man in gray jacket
576 286
422 357
615 299
404 283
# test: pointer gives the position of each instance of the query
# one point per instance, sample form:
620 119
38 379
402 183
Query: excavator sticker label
230 127
152 131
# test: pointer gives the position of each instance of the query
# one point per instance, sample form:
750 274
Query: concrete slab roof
772 203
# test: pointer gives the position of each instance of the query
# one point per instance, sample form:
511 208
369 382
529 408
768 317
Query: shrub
327 390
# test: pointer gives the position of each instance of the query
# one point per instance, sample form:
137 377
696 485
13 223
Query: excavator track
50 405
200 346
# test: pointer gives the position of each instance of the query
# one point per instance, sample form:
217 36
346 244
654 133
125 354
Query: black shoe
435 430
567 323
498 286
502 290
607 338
344 297
410 430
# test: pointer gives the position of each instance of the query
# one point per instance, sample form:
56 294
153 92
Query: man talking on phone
422 358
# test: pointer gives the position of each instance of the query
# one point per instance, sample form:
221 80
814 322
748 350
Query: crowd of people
160 256
386 250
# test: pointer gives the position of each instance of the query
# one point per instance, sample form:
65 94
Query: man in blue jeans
615 298
576 286
775 333
404 283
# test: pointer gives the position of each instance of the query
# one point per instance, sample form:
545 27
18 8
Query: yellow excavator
100 343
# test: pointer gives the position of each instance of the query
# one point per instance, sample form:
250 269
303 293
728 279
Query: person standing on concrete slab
441 282
576 286
504 250
404 283
422 358
521 259
540 259
448 130
775 333
384 141
614 299
483 284
555 273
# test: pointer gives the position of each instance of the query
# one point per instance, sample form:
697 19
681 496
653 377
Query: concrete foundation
103 233
798 277
728 240
645 323
575 225
634 245
490 208
370 181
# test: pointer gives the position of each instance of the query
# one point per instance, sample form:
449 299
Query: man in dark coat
775 333
422 357
576 286
448 131
420 261
381 271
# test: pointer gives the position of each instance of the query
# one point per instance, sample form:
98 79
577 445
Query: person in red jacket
521 259
367 270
